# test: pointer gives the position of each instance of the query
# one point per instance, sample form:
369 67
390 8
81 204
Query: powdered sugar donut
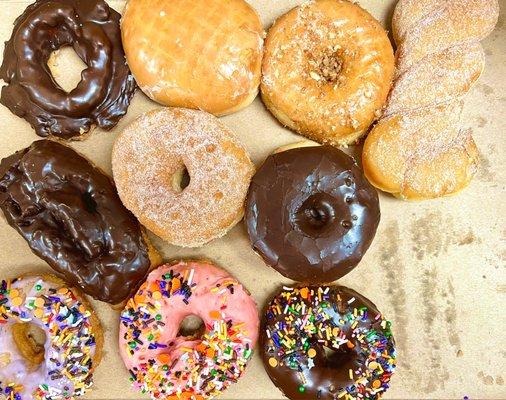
165 363
183 174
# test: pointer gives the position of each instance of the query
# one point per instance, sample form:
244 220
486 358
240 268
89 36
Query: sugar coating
158 145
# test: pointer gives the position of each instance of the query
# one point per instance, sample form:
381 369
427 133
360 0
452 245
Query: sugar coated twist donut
327 342
60 369
169 365
327 70
152 155
418 150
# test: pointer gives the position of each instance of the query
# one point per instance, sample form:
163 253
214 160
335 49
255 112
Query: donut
202 54
327 70
62 365
171 365
71 216
183 174
311 214
327 342
106 88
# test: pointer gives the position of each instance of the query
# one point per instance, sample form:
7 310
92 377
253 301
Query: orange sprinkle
157 295
164 358
39 302
350 344
176 284
39 313
376 384
210 353
311 353
201 348
273 362
63 290
14 293
17 301
304 292
215 314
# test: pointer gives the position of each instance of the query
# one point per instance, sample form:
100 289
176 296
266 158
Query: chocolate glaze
106 88
363 338
71 216
311 214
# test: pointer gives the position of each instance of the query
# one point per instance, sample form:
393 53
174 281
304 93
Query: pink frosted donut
164 363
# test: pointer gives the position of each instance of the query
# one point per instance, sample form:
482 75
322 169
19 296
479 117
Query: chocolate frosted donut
106 88
311 214
327 342
71 216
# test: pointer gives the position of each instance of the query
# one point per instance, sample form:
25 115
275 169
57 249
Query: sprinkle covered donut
61 368
327 342
168 364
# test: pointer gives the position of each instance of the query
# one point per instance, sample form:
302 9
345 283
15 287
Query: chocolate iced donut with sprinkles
167 361
327 342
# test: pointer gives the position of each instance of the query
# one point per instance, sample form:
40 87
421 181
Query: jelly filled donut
327 342
311 214
183 174
71 216
171 365
327 70
60 368
106 88
202 54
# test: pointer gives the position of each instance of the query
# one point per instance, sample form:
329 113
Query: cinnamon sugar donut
327 70
183 174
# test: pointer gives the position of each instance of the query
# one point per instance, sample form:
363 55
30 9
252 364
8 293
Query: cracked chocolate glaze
311 214
106 88
313 336
71 216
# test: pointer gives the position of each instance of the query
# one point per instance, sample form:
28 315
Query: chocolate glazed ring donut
311 214
71 216
328 343
106 88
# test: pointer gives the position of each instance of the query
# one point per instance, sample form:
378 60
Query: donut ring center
192 327
29 340
315 214
181 179
62 64
325 66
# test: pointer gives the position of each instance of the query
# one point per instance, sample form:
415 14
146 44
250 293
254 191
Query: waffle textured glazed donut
102 96
327 70
71 216
202 54
419 150
153 154
327 342
48 371
169 365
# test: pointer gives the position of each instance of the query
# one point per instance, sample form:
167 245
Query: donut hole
336 358
315 214
66 67
30 341
325 65
192 327
181 179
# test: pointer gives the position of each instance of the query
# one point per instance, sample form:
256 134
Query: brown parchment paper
436 268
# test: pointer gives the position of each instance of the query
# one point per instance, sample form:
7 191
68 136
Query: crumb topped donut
170 364
327 70
327 342
183 174
62 366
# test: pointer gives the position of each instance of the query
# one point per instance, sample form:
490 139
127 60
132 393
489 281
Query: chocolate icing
311 214
106 88
71 216
342 330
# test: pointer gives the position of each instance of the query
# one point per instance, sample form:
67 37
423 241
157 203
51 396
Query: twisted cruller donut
171 365
327 70
62 368
418 149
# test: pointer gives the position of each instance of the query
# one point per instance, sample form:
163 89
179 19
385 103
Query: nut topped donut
183 174
327 342
71 216
61 366
168 363
311 214
102 97
327 70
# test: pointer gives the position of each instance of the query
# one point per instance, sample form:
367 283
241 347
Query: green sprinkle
302 389
132 345
38 288
165 367
150 337
158 317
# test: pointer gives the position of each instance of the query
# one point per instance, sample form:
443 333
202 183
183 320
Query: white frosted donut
150 159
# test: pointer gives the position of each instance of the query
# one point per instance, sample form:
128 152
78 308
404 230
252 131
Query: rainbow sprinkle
302 321
204 369
71 344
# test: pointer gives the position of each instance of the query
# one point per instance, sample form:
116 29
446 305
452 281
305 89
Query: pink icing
154 316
